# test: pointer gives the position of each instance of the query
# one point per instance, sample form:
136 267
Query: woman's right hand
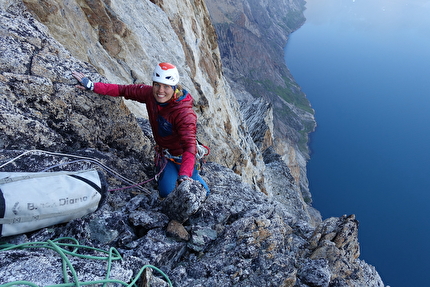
85 82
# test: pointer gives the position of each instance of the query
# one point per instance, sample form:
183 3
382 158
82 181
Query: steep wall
125 40
113 37
252 36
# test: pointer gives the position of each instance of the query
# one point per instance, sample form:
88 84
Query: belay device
30 201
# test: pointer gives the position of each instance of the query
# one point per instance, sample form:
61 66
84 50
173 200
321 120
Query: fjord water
365 67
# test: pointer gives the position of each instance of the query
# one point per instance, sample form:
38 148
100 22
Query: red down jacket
173 124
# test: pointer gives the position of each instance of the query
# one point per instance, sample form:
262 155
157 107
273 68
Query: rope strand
57 246
130 183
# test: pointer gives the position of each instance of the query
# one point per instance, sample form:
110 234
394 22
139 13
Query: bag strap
89 182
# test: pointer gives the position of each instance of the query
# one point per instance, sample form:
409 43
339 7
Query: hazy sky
373 14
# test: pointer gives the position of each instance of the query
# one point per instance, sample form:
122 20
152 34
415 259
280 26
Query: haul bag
30 201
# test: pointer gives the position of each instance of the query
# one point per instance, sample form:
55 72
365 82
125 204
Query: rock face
252 36
256 228
124 41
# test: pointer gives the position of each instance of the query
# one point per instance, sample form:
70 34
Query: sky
375 14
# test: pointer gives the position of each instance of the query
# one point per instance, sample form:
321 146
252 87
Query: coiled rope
57 246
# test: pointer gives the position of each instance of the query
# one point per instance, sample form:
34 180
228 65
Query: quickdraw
202 150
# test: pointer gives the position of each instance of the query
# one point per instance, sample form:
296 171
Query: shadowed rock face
41 108
252 36
235 236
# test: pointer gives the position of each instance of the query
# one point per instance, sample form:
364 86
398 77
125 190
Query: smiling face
162 92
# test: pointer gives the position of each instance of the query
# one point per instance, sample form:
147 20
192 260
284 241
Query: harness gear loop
162 155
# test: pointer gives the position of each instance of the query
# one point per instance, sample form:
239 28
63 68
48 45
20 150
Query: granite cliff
252 36
257 228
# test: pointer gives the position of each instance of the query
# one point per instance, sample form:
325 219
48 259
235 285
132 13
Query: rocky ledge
233 237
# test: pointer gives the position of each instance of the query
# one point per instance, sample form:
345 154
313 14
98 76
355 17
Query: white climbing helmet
166 73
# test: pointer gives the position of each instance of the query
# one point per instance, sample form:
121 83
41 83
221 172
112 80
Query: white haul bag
30 201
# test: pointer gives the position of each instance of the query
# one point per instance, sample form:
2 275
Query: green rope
59 247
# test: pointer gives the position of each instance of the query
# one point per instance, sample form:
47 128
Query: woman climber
172 118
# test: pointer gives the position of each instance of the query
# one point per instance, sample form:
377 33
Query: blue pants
169 176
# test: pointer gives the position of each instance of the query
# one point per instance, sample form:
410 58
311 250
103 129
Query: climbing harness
163 155
60 246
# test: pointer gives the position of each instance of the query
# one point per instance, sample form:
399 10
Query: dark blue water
365 67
